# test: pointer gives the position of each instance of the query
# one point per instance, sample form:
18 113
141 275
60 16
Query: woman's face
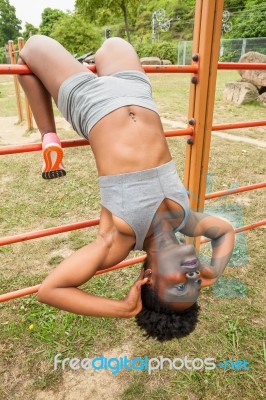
179 276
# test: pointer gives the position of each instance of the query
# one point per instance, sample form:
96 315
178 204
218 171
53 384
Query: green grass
32 333
172 95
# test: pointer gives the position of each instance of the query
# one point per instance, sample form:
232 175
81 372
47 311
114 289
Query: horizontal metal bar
16 69
48 232
234 191
236 125
179 132
251 226
33 289
242 66
243 229
19 293
94 222
27 148
155 69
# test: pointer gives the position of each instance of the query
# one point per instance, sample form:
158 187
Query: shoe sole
52 156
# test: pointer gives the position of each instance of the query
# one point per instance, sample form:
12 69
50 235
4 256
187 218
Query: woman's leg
116 55
50 64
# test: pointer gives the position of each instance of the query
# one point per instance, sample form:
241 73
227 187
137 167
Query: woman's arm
60 288
222 237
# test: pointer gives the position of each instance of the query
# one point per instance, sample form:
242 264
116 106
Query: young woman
142 198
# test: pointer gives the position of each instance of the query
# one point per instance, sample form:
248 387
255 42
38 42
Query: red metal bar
93 222
33 289
236 190
155 69
236 125
16 69
179 132
123 264
19 293
26 148
48 232
255 66
9 69
251 226
242 229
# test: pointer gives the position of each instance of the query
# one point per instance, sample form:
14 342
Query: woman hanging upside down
143 202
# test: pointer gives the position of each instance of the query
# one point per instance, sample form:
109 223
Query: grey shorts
136 196
84 98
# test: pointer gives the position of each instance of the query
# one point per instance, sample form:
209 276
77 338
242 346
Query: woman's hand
208 274
133 299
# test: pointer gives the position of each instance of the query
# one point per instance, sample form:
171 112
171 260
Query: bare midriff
129 139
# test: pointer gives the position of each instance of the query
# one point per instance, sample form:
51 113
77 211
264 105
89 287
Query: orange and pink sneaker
52 153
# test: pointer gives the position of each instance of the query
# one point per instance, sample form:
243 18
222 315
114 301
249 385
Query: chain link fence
230 49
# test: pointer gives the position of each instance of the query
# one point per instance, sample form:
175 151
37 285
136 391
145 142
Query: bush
163 50
77 35
2 55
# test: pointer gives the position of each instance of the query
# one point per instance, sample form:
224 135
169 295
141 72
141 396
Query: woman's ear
148 274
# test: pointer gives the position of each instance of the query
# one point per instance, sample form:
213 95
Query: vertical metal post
21 43
13 60
153 27
244 45
206 41
184 52
178 52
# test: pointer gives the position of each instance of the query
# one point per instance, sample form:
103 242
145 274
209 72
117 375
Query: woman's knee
34 46
115 55
35 41
112 44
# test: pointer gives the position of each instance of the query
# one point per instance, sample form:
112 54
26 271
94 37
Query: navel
132 116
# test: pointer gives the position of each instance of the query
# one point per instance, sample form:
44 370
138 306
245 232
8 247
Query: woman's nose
193 275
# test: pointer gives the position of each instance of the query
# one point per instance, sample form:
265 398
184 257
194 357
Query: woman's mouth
190 263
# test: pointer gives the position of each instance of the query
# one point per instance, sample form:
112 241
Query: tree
91 7
2 56
234 5
251 21
29 31
10 25
81 38
50 17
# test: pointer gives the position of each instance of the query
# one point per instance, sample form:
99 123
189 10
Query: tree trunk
124 9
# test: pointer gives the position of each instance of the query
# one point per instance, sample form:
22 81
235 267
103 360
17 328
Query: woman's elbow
227 227
231 230
44 294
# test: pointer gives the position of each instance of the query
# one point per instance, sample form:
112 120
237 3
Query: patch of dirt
228 136
14 133
90 384
64 252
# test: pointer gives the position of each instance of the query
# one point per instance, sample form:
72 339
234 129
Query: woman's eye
180 287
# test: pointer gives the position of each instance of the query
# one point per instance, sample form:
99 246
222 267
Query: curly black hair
160 321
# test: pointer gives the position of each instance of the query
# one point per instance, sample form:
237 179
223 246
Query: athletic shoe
52 153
